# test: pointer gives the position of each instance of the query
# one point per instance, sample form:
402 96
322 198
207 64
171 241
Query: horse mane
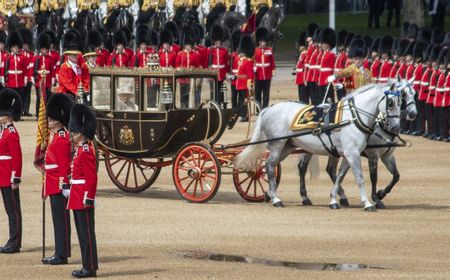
363 89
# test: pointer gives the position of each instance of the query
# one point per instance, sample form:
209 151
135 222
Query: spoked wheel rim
196 173
252 186
131 175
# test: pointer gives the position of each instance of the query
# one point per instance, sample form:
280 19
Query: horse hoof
344 202
381 194
370 209
266 197
307 202
278 204
380 205
335 206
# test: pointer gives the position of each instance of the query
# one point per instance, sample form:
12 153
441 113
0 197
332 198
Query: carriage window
101 93
151 93
191 91
127 94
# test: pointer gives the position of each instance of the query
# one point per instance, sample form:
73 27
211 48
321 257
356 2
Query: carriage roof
161 72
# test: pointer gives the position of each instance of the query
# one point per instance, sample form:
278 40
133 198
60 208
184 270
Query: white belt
299 70
217 66
441 89
416 83
431 88
325 69
307 65
262 64
234 71
50 166
376 79
382 79
424 84
5 157
77 181
15 71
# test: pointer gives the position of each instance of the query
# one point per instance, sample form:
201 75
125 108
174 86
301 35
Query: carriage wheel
196 173
252 186
131 175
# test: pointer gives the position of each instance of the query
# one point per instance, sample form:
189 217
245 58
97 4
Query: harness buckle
316 131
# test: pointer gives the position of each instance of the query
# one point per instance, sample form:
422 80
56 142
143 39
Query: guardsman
11 167
119 58
16 65
234 65
142 54
405 125
423 92
27 38
199 46
54 53
8 7
264 67
94 39
399 67
440 92
70 73
166 56
446 123
245 74
43 61
84 187
356 75
172 26
375 62
218 57
431 110
300 69
57 173
341 61
311 55
3 56
187 58
327 62
386 61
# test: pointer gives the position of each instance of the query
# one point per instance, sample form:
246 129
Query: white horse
361 109
377 148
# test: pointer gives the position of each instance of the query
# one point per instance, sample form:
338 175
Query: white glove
331 78
65 193
339 86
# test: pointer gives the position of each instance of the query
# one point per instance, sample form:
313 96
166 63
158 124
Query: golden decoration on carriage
256 4
126 136
153 4
8 7
153 61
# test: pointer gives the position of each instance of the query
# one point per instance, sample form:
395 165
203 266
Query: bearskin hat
341 38
71 42
120 38
424 34
14 39
301 41
27 36
165 36
328 36
235 39
349 38
368 40
316 34
262 34
357 48
446 41
428 53
419 50
437 36
44 41
375 47
10 104
94 38
409 49
59 107
172 26
199 32
153 38
434 54
412 32
247 46
83 120
53 36
442 56
401 46
394 47
311 29
187 36
404 30
216 33
142 35
3 36
386 43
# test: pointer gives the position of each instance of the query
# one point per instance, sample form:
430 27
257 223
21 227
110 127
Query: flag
250 25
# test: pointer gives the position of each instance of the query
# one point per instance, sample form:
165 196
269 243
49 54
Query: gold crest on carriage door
126 136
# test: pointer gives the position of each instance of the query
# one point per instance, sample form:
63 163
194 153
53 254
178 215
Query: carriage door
102 103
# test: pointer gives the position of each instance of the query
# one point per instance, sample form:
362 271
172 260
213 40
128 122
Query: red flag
250 25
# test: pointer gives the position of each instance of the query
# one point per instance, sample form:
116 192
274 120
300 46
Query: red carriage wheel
131 175
252 186
196 173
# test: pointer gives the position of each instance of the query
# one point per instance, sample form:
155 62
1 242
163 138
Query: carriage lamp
224 90
80 93
166 93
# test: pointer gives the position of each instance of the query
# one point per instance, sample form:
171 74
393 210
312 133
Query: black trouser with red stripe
262 92
421 117
303 94
430 117
85 223
61 225
11 200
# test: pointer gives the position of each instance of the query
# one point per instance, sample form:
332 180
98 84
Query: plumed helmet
328 36
386 43
217 33
59 107
83 120
10 104
247 46
262 34
420 49
357 48
44 41
341 38
14 39
165 36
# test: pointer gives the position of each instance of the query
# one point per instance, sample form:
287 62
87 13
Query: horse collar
357 119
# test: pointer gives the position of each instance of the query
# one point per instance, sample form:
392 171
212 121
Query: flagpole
332 14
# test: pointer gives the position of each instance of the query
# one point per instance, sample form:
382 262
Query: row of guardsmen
422 55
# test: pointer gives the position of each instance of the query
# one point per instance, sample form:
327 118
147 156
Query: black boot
84 273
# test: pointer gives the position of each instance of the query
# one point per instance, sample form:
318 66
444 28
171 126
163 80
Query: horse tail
314 169
248 158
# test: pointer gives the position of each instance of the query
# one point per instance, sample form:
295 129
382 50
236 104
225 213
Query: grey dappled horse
361 108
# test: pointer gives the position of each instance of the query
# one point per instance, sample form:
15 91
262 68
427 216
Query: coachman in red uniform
245 74
84 187
11 167
218 58
328 59
57 173
43 61
264 67
300 69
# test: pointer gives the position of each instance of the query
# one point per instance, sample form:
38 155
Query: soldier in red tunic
119 56
341 61
326 69
84 187
300 69
446 123
218 58
57 173
16 65
27 37
172 27
386 65
245 73
431 110
94 39
54 54
43 61
166 56
265 67
234 63
375 63
311 56
3 56
11 167
438 101
423 93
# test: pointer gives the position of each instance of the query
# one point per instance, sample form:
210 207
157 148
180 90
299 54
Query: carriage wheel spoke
128 173
249 186
210 176
135 177
243 181
113 163
121 169
267 181
189 185
201 185
195 188
261 186
185 160
184 178
207 185
143 174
